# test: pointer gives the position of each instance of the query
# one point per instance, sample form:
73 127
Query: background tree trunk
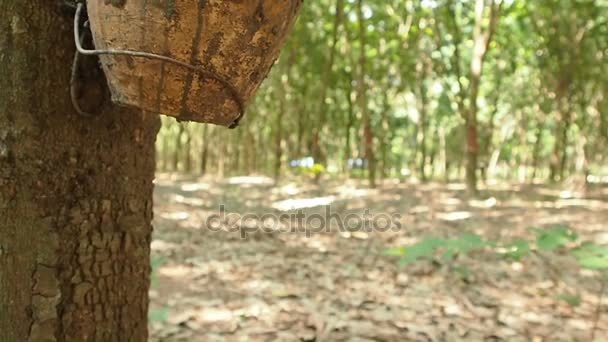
75 192
368 137
317 150
481 42
278 143
205 151
178 146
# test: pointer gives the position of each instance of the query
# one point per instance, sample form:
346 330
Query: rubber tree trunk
75 192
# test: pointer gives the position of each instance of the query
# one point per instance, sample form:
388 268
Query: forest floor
337 285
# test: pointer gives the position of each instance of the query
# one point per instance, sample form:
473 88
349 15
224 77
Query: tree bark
75 192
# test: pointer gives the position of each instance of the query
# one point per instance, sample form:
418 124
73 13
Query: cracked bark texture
75 192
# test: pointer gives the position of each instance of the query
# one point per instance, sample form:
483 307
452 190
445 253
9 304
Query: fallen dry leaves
336 286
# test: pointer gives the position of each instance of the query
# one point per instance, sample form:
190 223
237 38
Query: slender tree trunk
300 133
555 154
188 152
221 158
432 156
540 127
386 136
236 151
368 138
603 114
164 161
563 159
480 49
178 146
488 142
523 155
75 192
317 151
278 143
205 150
443 155
349 126
423 120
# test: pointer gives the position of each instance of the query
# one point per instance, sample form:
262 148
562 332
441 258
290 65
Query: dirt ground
236 283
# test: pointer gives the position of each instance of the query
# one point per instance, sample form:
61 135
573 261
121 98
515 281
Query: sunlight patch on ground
554 218
485 204
592 204
175 216
257 284
456 186
563 194
214 315
450 201
353 192
317 243
195 202
563 203
290 189
602 238
163 246
191 187
420 209
250 180
178 271
356 235
302 203
455 216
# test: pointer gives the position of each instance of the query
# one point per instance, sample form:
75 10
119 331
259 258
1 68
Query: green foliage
155 263
427 248
516 249
554 238
158 315
572 300
423 249
587 254
591 256
463 244
162 314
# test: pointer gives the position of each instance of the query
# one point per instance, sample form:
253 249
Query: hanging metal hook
79 39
